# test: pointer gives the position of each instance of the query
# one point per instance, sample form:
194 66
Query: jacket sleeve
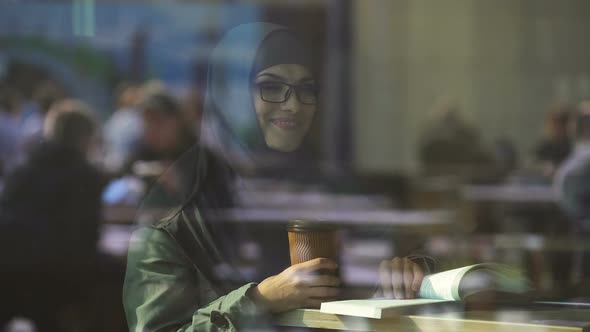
162 291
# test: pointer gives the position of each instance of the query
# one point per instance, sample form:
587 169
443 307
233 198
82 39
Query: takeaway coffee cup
309 240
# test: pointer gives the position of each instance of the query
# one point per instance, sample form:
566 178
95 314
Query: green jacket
167 287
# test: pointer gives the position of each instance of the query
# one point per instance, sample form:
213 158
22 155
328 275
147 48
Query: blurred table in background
510 193
419 220
309 201
412 220
314 200
528 208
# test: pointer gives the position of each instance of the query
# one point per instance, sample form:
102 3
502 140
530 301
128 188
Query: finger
396 278
327 299
418 277
325 280
317 264
322 292
408 277
302 279
313 303
385 278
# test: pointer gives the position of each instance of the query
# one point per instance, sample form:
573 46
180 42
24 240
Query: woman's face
285 100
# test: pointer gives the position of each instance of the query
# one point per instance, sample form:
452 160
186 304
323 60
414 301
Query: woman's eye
309 88
272 87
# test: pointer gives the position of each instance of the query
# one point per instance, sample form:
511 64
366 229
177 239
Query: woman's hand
299 286
400 278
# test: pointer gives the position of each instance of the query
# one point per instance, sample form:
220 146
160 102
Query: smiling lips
284 123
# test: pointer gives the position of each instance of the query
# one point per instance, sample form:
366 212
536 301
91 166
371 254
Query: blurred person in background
572 182
45 94
181 271
556 146
10 104
166 136
124 129
36 91
450 146
49 220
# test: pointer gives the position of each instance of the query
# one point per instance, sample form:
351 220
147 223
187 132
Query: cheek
263 110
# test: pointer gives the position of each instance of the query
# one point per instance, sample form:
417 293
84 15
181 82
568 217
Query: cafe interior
453 130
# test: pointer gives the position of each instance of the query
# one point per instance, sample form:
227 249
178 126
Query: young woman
261 99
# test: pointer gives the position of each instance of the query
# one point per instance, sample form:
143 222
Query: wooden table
512 321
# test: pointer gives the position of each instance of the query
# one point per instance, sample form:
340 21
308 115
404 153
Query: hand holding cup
300 285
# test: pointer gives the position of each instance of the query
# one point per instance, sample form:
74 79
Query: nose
291 104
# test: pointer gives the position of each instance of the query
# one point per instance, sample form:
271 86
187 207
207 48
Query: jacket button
219 320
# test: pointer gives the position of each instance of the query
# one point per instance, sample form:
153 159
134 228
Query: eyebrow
279 77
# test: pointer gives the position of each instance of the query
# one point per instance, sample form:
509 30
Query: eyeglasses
279 92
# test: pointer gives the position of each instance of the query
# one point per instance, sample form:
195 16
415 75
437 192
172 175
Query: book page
510 279
444 285
372 308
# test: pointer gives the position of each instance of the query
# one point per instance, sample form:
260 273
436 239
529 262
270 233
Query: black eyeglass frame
292 87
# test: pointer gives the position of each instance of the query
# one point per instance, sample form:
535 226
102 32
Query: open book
451 285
